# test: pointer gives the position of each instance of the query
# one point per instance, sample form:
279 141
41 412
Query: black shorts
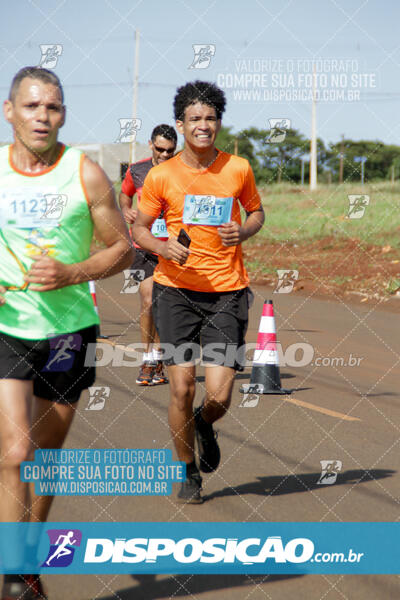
55 365
143 265
215 321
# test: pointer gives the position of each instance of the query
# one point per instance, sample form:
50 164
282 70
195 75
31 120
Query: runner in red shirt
163 145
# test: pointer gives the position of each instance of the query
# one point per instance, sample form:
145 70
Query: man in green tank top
51 198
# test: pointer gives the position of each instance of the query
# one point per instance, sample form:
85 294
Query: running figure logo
63 543
55 204
329 471
203 54
202 206
132 279
62 352
128 130
278 130
249 401
251 394
97 397
357 205
286 280
50 55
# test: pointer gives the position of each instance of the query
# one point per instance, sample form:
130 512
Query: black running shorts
55 365
143 265
187 320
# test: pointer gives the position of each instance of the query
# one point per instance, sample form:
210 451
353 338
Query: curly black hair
198 91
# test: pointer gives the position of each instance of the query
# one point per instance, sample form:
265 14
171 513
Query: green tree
226 141
281 161
380 158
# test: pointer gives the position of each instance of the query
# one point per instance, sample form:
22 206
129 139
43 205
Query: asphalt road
271 451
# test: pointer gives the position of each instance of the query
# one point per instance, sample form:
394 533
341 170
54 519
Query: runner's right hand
2 291
173 250
129 215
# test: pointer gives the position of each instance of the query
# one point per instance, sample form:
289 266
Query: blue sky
257 38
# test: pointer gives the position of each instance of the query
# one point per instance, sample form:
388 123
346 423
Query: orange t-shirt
175 188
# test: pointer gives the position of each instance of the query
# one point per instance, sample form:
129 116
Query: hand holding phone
183 238
177 249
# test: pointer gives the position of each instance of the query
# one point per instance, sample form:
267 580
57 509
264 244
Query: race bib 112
27 208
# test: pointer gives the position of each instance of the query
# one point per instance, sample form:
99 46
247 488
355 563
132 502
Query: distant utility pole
341 156
313 150
132 154
236 147
392 176
362 160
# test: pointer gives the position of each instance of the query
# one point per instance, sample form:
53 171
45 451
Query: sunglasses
161 150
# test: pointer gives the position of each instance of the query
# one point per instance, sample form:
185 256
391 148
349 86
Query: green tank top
48 211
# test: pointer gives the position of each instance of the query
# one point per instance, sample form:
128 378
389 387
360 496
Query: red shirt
133 184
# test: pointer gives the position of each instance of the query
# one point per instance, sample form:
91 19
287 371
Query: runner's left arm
52 274
232 233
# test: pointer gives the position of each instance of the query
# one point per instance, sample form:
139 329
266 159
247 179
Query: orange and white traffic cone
92 288
265 376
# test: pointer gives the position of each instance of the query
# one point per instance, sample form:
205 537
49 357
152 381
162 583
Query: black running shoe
190 490
209 452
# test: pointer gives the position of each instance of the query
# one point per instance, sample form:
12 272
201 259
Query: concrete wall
111 156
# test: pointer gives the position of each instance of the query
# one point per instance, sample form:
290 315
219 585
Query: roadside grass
296 215
305 226
260 268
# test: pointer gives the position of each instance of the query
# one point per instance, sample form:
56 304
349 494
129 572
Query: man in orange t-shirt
200 295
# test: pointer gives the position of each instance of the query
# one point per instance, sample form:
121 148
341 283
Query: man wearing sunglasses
163 145
51 198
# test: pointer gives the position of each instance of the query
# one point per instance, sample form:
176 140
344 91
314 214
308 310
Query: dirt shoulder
331 267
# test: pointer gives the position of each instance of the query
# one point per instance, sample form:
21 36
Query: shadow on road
177 586
292 484
303 330
248 375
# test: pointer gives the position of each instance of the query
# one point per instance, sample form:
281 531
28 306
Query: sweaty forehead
35 89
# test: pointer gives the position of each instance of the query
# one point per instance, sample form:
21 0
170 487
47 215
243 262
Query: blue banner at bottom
200 548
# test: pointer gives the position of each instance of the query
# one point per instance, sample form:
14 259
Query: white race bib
159 228
207 210
30 208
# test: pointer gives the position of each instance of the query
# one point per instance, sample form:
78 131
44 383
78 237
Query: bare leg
51 422
219 384
180 412
15 402
147 327
156 337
